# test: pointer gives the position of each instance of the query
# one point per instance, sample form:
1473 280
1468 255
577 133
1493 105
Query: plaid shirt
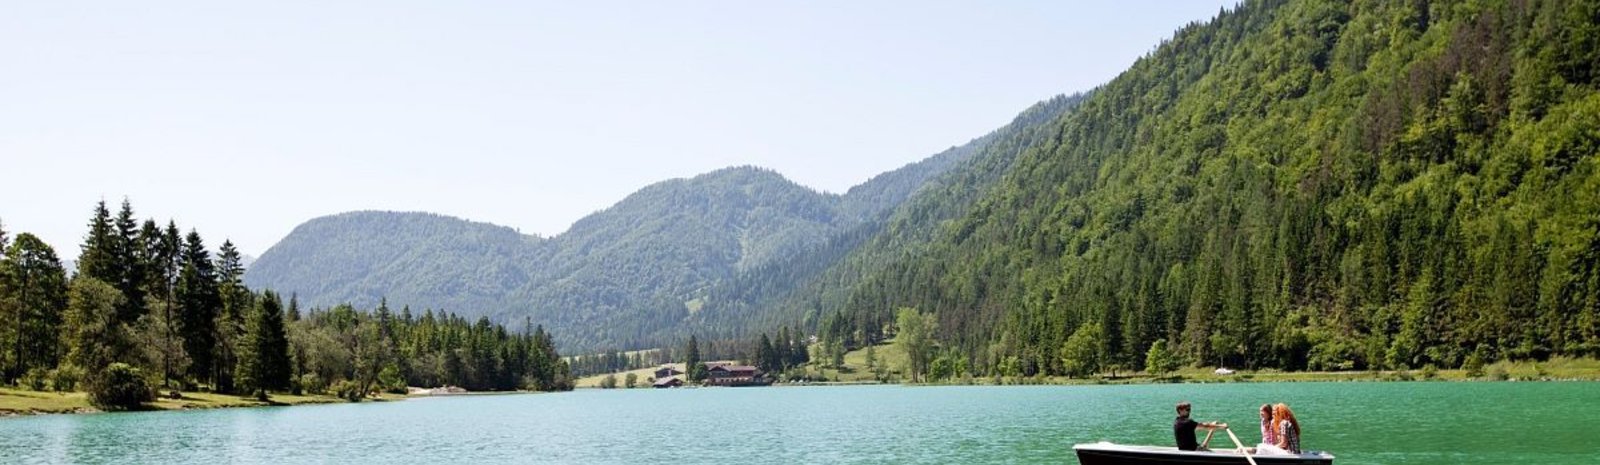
1290 436
1268 435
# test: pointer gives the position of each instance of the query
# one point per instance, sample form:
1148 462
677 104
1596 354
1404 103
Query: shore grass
25 402
893 359
890 359
644 375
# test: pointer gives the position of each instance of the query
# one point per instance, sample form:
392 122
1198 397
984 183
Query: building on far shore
667 371
735 375
662 383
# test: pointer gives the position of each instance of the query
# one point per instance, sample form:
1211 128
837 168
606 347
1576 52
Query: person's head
1266 412
1183 409
1281 413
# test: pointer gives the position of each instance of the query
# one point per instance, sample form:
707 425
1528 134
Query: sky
244 119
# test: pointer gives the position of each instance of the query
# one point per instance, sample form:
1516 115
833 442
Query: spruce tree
199 303
237 302
692 368
129 269
263 363
97 258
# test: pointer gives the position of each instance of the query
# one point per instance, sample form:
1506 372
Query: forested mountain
1294 184
362 257
627 276
794 291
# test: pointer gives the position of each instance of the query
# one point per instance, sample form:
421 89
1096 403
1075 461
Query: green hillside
627 276
1306 184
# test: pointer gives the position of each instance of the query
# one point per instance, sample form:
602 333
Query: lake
1361 423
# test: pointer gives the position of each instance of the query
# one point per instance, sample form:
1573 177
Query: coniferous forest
150 307
1320 185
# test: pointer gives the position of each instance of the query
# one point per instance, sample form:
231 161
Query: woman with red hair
1288 428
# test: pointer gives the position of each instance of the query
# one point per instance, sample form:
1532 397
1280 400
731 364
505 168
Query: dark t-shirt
1183 431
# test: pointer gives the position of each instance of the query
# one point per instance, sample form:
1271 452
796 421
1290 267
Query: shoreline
26 403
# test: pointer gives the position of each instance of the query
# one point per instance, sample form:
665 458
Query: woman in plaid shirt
1288 428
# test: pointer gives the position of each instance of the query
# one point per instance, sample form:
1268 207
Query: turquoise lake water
1361 423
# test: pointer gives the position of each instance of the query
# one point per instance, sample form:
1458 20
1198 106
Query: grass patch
23 402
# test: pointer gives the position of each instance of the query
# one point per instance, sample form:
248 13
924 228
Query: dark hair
1267 409
1183 406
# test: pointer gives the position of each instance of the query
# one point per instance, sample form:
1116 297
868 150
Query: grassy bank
25 402
890 361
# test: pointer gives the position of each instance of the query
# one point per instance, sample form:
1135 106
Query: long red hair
1280 414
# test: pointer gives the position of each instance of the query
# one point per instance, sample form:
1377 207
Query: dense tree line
1295 184
346 350
150 303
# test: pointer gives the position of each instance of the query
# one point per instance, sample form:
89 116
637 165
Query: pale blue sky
244 119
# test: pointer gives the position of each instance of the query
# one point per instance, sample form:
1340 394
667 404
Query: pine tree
263 360
692 368
129 269
767 356
97 259
782 346
199 303
294 308
162 259
237 301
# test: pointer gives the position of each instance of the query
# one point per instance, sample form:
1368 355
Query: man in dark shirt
1183 429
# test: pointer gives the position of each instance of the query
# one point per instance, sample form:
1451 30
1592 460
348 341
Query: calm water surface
1361 423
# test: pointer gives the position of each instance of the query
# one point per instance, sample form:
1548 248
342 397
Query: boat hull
1113 454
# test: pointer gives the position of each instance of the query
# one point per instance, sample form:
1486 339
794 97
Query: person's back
1183 429
1183 432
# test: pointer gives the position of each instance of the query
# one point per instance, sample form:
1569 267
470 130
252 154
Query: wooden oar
1242 450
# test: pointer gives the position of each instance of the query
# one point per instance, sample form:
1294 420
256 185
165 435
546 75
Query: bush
1500 374
390 380
34 379
608 382
1429 371
347 390
310 383
1473 365
632 380
66 377
120 387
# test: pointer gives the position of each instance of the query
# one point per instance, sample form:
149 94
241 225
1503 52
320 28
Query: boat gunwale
1166 450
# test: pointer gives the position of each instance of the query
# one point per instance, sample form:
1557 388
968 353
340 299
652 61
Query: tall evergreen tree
161 256
237 302
263 363
692 367
129 268
199 303
97 259
767 356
